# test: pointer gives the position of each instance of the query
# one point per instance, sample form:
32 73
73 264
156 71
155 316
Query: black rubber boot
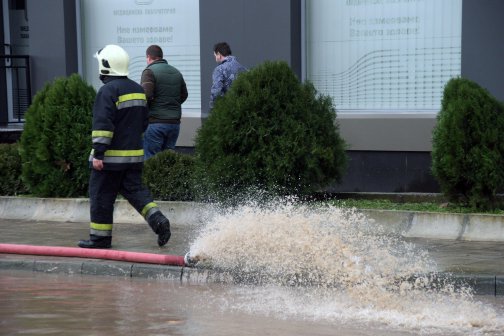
96 242
161 226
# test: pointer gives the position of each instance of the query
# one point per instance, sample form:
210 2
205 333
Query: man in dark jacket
120 116
166 90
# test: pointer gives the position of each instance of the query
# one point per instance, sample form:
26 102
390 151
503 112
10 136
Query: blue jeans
159 137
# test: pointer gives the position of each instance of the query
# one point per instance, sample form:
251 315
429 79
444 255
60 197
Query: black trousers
104 186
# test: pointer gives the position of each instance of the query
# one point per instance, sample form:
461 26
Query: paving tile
156 271
499 285
482 284
107 268
60 266
19 264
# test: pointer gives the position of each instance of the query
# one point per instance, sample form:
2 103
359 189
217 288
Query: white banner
135 25
383 55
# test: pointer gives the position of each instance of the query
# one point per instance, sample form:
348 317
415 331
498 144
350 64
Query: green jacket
165 89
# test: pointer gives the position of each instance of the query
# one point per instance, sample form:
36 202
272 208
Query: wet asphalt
481 263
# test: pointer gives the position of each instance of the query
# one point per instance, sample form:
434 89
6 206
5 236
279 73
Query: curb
411 224
468 227
77 210
483 284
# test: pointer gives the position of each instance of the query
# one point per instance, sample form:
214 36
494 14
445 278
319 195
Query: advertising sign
137 24
383 55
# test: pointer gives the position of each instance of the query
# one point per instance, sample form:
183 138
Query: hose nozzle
189 261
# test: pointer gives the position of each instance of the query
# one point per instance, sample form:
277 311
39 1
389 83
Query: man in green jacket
166 90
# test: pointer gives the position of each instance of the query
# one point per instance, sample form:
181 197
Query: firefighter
120 116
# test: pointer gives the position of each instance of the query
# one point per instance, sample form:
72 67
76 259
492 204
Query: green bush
56 140
10 170
468 145
168 175
270 133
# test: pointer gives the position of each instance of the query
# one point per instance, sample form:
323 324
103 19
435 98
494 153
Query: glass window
383 56
134 25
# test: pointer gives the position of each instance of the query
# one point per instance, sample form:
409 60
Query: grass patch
385 204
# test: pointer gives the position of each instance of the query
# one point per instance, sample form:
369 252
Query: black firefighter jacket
120 116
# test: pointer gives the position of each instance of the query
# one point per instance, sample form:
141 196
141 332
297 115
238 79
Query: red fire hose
58 251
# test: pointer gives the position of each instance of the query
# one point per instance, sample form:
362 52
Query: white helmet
112 61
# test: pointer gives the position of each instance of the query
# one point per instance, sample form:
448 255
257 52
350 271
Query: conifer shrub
468 145
10 170
269 133
56 140
169 176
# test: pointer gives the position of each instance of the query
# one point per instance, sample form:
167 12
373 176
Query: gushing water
329 263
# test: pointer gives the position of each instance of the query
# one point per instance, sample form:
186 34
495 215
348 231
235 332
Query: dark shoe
164 232
161 226
95 244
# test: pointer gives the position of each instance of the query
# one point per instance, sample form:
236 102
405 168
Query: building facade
384 62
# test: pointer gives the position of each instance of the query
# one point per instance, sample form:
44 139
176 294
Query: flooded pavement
295 270
49 304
